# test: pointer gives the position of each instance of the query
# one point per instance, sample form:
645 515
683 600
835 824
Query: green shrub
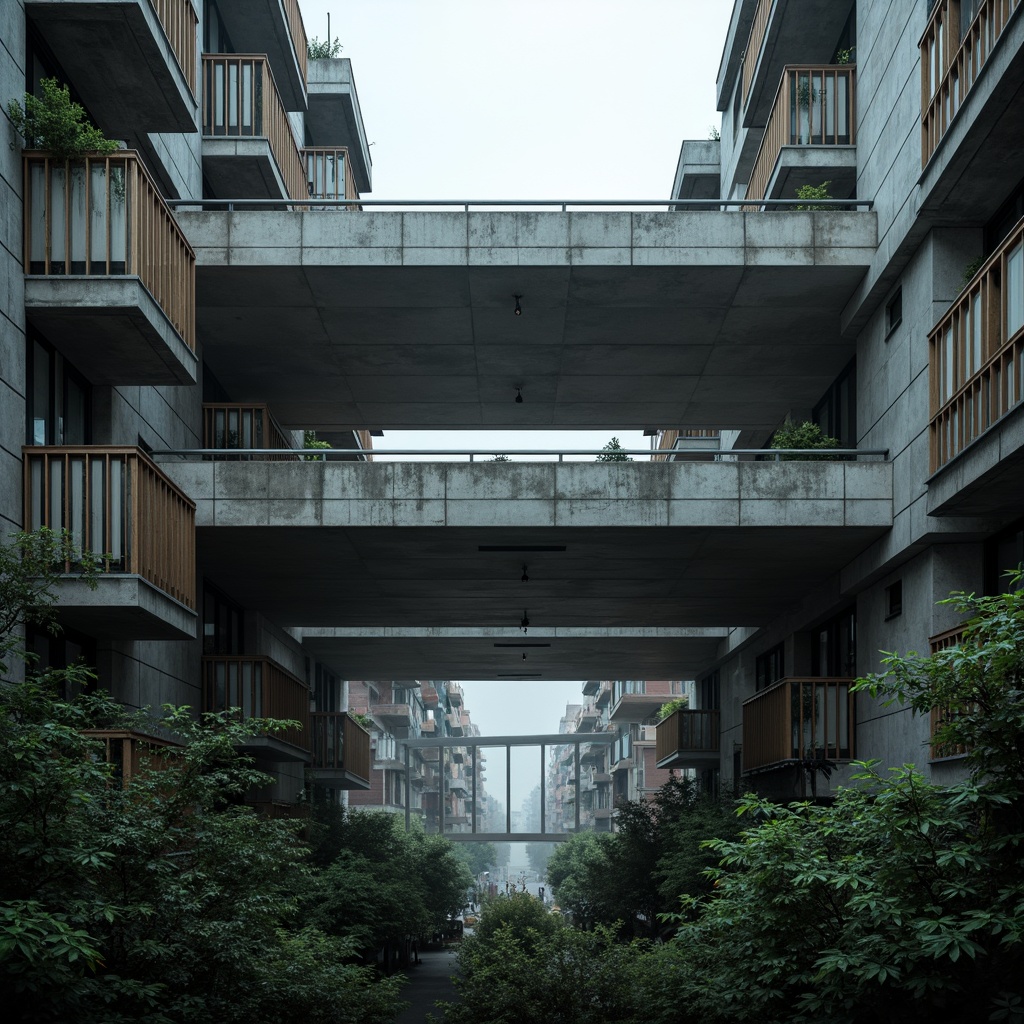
53 122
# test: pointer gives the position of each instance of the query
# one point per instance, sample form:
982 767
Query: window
222 623
1015 290
709 691
894 599
1004 551
59 398
59 650
836 413
769 667
326 689
834 653
894 312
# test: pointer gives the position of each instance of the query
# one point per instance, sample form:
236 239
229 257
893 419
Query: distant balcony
798 719
133 62
110 277
455 695
428 727
952 57
813 111
129 752
635 707
976 362
260 688
455 724
249 151
393 714
237 426
942 715
329 174
688 739
273 27
341 750
334 117
117 504
429 696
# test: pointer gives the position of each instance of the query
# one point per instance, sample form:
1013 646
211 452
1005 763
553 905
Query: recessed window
894 312
894 599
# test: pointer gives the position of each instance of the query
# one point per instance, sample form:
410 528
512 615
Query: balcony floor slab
123 607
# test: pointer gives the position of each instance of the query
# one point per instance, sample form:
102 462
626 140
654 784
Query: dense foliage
806 436
613 452
53 122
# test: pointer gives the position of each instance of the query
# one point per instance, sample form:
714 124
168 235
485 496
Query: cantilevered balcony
117 504
952 57
688 739
977 380
249 150
133 62
258 687
273 27
430 697
238 426
810 134
393 714
109 276
334 117
798 719
637 707
341 750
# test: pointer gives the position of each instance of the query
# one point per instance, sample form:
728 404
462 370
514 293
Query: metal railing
240 100
976 353
952 57
180 22
340 744
814 106
693 732
118 505
755 40
553 455
104 216
259 688
798 719
561 204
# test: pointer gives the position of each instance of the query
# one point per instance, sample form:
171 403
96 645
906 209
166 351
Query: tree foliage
613 452
320 49
806 436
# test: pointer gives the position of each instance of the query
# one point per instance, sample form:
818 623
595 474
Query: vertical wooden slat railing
798 718
951 62
941 715
688 731
329 174
259 688
240 100
814 106
236 426
340 744
117 504
180 23
758 27
976 353
104 216
299 40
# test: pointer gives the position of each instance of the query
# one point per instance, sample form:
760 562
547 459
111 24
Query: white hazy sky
532 99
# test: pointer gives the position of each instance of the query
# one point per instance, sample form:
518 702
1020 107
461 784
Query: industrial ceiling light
525 622
524 577
519 309
524 655
519 395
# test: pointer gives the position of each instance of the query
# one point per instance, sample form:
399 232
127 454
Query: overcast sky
532 99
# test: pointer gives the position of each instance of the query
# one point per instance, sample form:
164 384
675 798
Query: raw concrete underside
414 569
362 319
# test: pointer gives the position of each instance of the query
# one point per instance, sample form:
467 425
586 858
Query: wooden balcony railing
298 34
688 734
941 715
755 40
240 100
259 688
130 752
952 57
104 216
798 719
814 106
976 357
340 744
179 22
117 504
236 426
329 174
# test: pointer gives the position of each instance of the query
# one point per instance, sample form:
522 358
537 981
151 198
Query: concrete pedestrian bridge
341 319
633 568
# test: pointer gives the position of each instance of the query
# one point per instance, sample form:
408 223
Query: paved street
428 982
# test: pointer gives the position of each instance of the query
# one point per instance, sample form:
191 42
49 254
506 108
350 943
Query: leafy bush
814 192
671 707
320 49
53 122
613 452
806 436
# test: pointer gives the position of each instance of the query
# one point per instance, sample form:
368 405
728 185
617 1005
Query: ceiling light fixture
519 309
525 622
519 395
524 577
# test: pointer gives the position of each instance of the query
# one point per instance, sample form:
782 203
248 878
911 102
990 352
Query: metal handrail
690 204
326 454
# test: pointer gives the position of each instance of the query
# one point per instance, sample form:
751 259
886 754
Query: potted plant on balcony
806 436
53 122
672 706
